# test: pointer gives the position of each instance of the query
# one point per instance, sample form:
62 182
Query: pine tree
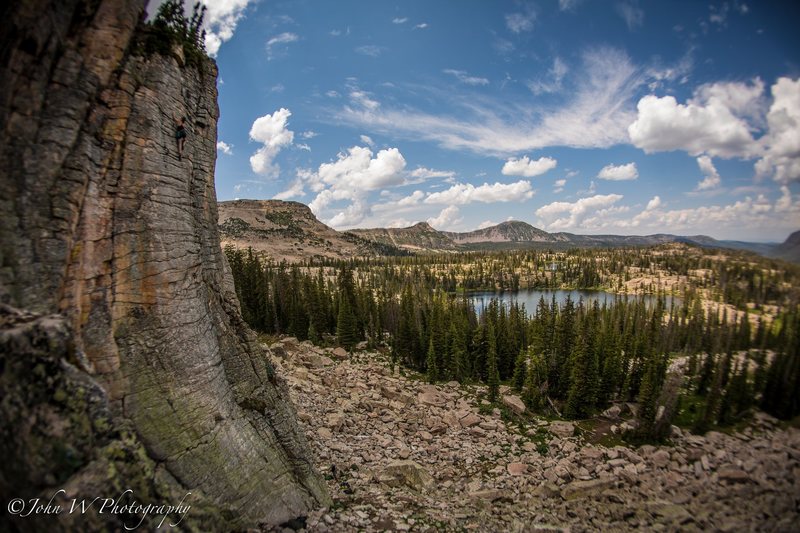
581 396
520 371
433 368
531 390
708 416
493 375
346 325
649 392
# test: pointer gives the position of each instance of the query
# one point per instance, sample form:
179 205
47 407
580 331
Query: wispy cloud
631 13
281 39
370 50
568 5
463 77
552 81
520 22
400 20
596 115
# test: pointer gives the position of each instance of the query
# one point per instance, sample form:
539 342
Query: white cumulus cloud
448 217
564 215
654 203
712 179
782 141
713 122
273 132
350 178
527 168
619 172
220 21
422 173
465 193
225 148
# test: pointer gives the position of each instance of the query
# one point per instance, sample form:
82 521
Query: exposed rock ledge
102 227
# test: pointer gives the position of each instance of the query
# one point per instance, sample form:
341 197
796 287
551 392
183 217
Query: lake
530 297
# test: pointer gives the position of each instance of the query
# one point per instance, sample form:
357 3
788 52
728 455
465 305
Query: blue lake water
530 297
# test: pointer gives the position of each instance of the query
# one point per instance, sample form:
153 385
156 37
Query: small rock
583 489
547 489
409 473
661 458
517 469
562 429
316 361
334 420
514 403
489 495
339 353
436 399
733 475
470 420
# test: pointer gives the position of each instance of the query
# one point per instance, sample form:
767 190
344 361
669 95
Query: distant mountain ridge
518 234
289 230
511 231
790 248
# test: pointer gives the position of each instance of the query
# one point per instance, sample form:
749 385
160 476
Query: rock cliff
112 279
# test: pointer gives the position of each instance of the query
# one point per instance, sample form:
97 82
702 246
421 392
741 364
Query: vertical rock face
102 224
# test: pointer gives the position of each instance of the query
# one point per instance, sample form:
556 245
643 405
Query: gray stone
547 489
586 489
470 420
315 361
434 398
517 469
408 473
660 458
612 412
514 403
562 429
733 475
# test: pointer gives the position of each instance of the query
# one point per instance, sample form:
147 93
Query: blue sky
585 116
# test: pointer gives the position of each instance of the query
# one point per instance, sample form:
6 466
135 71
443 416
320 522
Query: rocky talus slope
403 455
125 361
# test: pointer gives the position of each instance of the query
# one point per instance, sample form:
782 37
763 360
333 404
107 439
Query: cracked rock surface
103 225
